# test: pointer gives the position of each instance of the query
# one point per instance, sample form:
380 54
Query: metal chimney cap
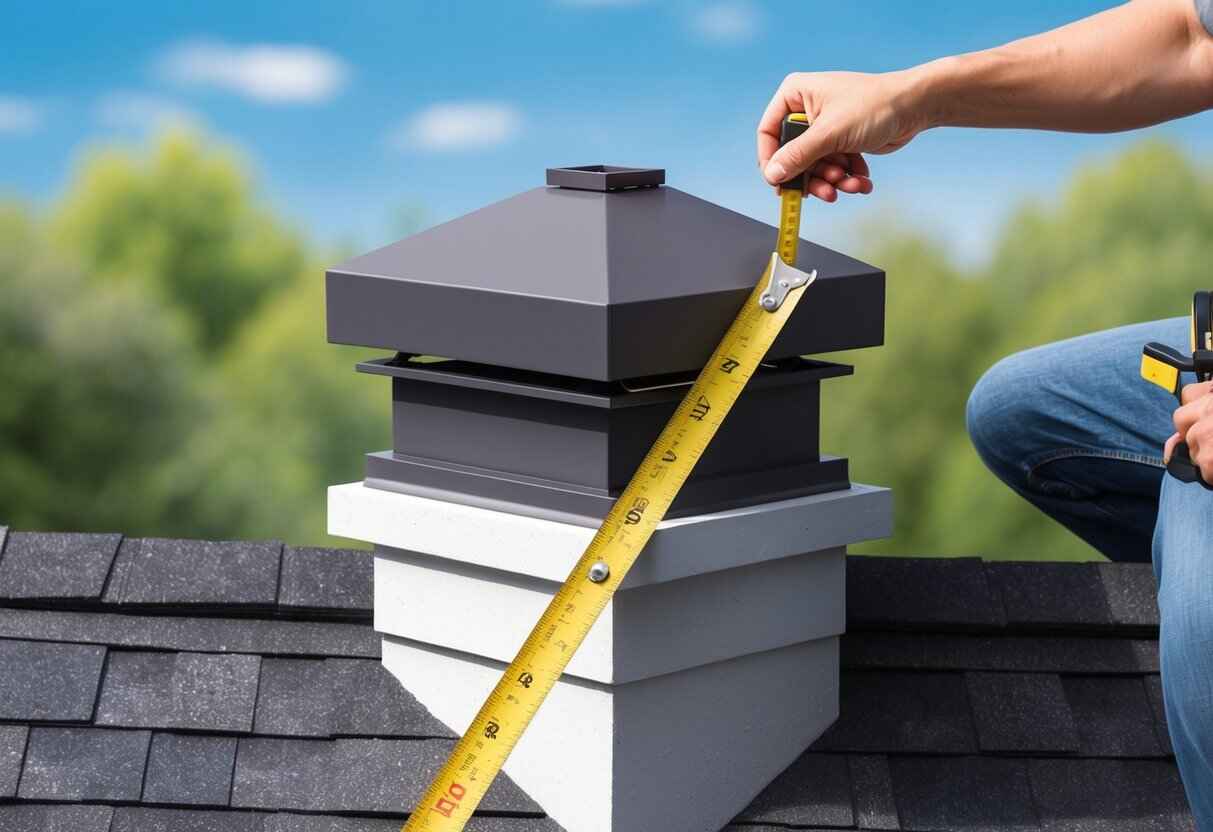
605 177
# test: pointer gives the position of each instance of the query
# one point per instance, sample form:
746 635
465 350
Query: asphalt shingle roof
189 686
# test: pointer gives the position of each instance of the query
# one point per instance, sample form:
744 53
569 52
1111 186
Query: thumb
1169 448
798 155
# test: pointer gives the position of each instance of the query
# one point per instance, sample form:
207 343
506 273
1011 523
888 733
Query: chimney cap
594 285
605 177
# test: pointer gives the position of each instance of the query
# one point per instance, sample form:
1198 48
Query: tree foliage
183 222
96 390
1128 240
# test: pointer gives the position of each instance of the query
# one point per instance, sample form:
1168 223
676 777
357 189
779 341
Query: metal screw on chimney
599 572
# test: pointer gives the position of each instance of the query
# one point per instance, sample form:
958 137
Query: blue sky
356 113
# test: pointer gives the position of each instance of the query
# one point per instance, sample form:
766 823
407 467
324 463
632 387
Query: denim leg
1183 564
1073 429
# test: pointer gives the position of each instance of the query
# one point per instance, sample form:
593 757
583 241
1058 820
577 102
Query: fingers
1194 422
1200 447
1169 448
786 100
822 189
1192 392
839 172
795 157
1189 414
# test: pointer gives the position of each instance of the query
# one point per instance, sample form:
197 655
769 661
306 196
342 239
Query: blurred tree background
164 371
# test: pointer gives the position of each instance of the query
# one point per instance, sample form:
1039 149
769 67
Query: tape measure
479 755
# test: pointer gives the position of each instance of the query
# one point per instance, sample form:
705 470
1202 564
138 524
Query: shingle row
960 713
967 594
207 635
223 693
973 793
108 765
107 570
883 593
886 710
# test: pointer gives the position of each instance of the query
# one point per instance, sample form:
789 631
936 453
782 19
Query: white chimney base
681 752
711 670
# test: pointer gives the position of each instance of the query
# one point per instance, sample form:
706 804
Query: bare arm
1138 64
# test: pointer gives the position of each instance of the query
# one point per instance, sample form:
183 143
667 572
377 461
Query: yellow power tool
1162 365
482 751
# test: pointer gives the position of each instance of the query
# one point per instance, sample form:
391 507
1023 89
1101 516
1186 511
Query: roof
161 685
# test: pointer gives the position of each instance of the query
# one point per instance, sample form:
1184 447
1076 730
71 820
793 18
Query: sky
361 118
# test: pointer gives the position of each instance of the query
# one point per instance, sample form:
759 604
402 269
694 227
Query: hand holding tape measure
479 755
1162 365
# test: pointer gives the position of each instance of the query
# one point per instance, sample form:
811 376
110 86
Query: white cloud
459 125
727 22
123 110
276 73
19 115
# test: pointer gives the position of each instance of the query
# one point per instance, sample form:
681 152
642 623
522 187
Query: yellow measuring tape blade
479 755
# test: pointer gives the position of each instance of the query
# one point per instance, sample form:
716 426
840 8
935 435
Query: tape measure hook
783 280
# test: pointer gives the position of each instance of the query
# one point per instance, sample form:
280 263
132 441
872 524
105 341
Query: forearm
1131 66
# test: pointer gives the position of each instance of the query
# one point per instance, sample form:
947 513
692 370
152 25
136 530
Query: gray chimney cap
594 284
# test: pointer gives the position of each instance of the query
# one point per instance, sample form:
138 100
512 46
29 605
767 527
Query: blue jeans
1073 429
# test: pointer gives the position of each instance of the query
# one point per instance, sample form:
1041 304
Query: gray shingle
1039 654
46 565
1113 716
337 580
369 700
872 788
12 751
143 819
48 681
1109 796
195 691
212 573
350 775
283 638
1153 685
338 697
84 764
1021 712
294 698
904 593
42 818
189 770
974 794
1132 594
1049 595
902 712
816 789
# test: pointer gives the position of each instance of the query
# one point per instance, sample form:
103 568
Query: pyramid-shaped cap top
605 274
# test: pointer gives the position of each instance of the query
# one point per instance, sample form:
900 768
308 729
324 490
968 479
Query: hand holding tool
1162 365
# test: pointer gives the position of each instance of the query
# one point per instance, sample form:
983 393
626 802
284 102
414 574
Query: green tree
1127 241
287 417
182 220
96 392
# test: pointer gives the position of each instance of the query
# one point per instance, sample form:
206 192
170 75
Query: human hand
1194 425
852 113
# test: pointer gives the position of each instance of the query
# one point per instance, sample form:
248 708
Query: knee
1000 408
